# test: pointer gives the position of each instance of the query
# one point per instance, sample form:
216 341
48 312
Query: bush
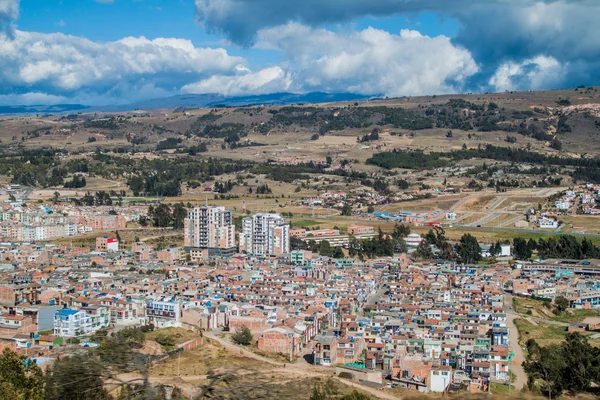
346 375
242 336
165 340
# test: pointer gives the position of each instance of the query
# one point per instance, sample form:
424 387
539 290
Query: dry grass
202 359
178 335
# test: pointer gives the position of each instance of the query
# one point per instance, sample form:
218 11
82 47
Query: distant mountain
190 100
41 109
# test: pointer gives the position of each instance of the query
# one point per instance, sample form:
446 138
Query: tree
20 378
468 249
424 250
371 209
347 210
338 252
522 249
161 215
556 144
76 378
561 303
242 336
582 363
573 365
400 231
179 215
325 248
545 364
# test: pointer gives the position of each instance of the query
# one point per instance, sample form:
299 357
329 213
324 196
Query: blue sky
104 52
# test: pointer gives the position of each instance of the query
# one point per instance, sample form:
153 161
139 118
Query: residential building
77 322
106 243
265 234
210 228
163 314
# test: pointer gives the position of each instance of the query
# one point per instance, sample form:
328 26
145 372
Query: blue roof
67 311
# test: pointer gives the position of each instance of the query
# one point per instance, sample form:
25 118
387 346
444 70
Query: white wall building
265 234
209 228
70 322
163 314
548 223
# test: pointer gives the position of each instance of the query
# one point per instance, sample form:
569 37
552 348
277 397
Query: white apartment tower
265 235
209 228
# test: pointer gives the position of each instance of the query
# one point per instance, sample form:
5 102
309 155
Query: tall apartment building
210 228
265 235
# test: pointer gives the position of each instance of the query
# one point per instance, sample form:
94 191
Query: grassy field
545 334
542 333
501 389
539 309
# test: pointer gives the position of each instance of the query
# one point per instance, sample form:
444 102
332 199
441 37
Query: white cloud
63 64
32 98
9 12
535 73
494 31
371 61
268 80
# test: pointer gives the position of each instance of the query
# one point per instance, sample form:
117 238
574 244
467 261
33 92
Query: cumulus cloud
62 64
9 12
268 80
371 61
494 31
535 73
241 19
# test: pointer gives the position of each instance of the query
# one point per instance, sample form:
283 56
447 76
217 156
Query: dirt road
300 368
513 335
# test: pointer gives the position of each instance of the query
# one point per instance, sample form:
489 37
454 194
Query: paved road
513 335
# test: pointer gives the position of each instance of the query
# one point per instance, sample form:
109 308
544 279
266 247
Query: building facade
265 234
71 322
209 228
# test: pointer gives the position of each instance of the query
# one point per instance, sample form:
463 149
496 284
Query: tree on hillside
424 250
400 231
242 336
522 249
76 378
20 378
583 363
561 303
468 249
179 215
573 365
545 365
347 210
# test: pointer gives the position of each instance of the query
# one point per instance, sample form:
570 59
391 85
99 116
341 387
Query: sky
100 52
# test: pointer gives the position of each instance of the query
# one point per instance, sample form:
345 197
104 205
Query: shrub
242 336
346 375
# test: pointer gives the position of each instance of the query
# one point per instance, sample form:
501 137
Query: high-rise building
265 235
210 228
